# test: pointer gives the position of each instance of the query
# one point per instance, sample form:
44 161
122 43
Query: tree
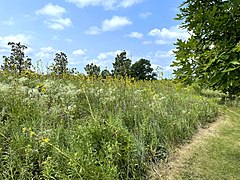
121 66
105 73
60 65
92 70
17 62
211 56
142 70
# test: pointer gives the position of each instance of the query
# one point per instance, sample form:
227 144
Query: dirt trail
181 154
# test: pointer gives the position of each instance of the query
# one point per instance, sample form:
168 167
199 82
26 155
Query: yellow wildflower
46 139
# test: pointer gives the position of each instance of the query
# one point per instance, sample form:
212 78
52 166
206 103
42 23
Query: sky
92 31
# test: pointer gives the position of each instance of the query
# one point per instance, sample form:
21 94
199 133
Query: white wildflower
48 84
22 80
33 93
5 87
23 89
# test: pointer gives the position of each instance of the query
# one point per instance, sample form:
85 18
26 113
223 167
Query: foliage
105 73
92 70
122 64
211 56
17 62
142 70
60 65
76 127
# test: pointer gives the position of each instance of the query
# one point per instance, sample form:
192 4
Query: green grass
80 128
218 156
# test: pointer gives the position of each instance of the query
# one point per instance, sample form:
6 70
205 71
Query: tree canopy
60 64
211 56
92 70
17 62
122 64
142 70
105 73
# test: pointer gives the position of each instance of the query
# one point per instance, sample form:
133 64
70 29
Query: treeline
19 63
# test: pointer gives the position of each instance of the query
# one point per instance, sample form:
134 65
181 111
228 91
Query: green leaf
235 62
231 69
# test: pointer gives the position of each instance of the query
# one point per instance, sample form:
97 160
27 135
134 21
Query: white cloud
164 54
48 49
135 35
23 38
74 63
9 22
51 10
55 19
106 4
168 35
58 24
168 68
156 67
172 33
129 3
79 52
161 42
93 30
107 55
46 53
145 15
113 24
104 59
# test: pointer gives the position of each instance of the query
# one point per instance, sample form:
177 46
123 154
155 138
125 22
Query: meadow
76 127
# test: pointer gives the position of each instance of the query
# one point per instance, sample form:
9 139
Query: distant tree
73 71
60 65
105 73
211 56
92 70
122 65
142 70
17 62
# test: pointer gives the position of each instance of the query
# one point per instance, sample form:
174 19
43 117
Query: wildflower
33 92
24 130
32 134
23 89
22 80
5 87
46 140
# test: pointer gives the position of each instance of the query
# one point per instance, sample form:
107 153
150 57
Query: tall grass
83 128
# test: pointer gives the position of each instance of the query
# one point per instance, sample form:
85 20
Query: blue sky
92 31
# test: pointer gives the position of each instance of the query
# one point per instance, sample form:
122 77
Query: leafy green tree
60 65
17 62
105 73
122 65
142 70
211 56
92 70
